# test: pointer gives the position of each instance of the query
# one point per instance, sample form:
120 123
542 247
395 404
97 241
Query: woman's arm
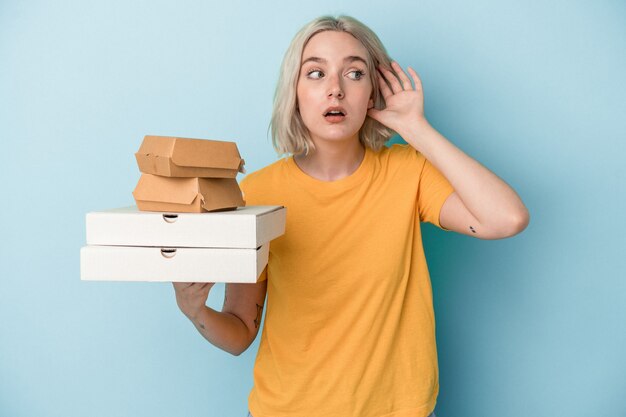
237 325
482 205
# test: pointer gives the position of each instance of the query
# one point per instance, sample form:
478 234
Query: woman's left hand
405 103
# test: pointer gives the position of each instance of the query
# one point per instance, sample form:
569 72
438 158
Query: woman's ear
370 104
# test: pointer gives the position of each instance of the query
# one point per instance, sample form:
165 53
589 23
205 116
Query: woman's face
333 75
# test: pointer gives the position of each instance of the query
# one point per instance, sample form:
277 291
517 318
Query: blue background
529 326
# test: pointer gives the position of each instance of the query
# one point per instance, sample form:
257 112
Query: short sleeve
433 191
263 275
248 191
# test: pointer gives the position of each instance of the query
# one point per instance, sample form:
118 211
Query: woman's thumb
373 113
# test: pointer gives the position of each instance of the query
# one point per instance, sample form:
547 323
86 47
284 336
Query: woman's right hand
191 297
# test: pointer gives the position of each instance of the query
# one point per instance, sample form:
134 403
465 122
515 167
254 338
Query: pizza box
159 264
245 227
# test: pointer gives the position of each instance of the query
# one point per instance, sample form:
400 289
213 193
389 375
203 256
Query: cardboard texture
168 237
187 195
185 157
244 227
134 263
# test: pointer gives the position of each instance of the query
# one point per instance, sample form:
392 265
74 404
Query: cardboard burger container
187 195
185 157
130 245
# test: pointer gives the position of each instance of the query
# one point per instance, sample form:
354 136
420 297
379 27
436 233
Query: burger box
126 244
185 157
195 195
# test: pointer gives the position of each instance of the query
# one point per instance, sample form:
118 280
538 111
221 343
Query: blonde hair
289 134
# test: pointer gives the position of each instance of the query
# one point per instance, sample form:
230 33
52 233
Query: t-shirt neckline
345 182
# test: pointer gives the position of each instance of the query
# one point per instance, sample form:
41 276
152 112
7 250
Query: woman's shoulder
400 153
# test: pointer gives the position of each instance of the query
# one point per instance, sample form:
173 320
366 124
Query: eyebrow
349 59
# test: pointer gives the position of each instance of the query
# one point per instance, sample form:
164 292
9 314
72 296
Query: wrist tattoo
472 229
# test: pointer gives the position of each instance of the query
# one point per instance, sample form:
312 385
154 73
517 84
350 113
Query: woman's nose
336 92
335 88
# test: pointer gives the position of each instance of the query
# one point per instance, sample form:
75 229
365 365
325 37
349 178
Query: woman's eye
356 75
315 74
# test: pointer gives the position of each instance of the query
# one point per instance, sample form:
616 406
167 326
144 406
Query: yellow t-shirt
349 327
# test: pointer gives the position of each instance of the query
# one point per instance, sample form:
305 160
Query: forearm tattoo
472 229
257 320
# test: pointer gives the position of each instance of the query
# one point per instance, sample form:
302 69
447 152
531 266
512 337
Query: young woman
349 329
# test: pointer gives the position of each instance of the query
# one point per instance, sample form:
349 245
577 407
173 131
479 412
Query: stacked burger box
188 175
190 223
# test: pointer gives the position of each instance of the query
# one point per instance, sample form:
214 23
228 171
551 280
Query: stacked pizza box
190 223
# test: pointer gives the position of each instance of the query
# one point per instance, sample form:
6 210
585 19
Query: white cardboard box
126 244
245 227
134 263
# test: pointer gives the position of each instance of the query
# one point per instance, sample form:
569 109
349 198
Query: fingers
384 88
406 83
200 287
391 78
416 79
192 286
398 80
180 285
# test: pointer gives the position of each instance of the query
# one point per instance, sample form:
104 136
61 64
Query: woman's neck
332 161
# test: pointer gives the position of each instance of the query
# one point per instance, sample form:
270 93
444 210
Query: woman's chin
336 135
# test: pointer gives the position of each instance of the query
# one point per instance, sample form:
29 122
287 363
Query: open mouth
335 115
